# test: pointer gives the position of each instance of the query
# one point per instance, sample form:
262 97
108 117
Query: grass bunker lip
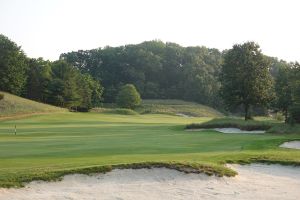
254 181
195 168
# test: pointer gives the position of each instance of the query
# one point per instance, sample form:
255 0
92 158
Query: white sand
237 130
291 145
184 115
255 181
228 130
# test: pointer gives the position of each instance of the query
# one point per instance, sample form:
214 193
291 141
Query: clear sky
47 28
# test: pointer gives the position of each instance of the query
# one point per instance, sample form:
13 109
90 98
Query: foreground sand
253 182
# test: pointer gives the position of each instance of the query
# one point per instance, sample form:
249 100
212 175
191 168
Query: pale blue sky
47 28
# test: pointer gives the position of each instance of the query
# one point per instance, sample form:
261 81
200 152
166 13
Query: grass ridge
250 125
196 168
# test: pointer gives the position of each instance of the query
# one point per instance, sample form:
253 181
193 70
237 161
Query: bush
1 96
128 97
278 116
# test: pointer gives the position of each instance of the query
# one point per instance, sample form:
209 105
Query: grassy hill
177 107
13 105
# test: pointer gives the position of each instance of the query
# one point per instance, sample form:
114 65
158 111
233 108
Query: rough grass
248 125
47 147
14 106
173 107
120 111
260 123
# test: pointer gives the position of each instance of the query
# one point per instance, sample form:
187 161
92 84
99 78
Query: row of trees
57 83
240 77
157 69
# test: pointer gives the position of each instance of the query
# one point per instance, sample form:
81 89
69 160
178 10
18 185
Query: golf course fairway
62 142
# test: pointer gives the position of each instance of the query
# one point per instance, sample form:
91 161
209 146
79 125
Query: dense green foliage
77 142
295 85
157 69
57 83
13 66
287 89
69 88
245 77
128 97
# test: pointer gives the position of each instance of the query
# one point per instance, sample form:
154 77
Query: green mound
12 105
177 107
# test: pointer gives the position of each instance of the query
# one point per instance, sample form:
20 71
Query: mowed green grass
64 141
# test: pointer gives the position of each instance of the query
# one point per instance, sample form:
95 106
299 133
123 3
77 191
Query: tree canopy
157 69
245 77
85 78
13 66
128 97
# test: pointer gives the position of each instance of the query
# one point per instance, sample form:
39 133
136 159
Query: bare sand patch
237 130
256 181
228 130
184 115
291 145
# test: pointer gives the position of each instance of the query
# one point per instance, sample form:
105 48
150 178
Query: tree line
241 77
57 83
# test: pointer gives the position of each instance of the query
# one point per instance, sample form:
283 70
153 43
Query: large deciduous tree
294 110
39 77
245 77
13 66
283 89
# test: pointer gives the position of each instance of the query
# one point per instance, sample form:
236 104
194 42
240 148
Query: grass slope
173 107
49 146
13 105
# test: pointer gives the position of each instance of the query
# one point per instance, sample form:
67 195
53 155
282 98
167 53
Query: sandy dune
253 182
291 145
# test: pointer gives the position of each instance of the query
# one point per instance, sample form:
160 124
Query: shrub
1 96
278 116
128 97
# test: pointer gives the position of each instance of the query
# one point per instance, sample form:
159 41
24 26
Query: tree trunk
285 116
247 112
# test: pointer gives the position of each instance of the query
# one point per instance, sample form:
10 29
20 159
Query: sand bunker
184 115
291 145
229 130
237 130
255 181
